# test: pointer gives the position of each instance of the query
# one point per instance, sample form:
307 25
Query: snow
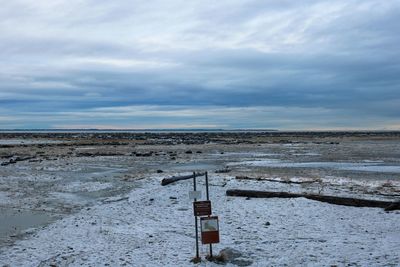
152 228
5 198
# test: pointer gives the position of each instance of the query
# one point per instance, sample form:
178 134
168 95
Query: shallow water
195 166
350 166
28 141
13 221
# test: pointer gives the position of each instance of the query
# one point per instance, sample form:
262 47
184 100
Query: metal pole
195 220
208 198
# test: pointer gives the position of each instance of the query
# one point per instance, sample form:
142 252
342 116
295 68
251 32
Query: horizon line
193 129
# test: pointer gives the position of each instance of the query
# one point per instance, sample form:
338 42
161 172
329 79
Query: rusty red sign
202 208
209 230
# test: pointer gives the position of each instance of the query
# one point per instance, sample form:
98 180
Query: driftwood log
345 201
276 181
174 179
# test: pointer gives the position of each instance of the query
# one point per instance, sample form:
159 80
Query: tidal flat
99 192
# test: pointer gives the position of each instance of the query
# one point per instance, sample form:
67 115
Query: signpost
209 224
202 208
194 194
195 223
209 230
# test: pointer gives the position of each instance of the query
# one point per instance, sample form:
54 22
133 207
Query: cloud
91 57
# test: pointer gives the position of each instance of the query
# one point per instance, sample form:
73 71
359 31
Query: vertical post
195 220
208 198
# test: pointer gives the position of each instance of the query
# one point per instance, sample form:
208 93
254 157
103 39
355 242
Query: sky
126 64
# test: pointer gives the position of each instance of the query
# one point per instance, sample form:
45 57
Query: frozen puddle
29 142
13 221
349 166
194 166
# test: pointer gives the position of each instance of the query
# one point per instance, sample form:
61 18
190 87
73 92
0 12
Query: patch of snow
5 198
155 227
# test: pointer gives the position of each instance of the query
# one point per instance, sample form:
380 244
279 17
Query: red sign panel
202 208
209 230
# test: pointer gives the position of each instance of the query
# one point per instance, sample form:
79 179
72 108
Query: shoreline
87 174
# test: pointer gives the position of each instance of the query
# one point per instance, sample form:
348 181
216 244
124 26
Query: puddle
194 166
350 166
29 141
13 221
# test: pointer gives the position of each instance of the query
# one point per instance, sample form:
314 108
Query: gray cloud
61 58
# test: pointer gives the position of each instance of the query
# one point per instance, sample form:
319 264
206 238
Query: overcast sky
200 64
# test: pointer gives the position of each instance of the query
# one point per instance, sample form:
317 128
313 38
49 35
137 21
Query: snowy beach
103 204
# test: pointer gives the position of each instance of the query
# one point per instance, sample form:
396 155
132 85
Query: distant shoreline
130 130
188 131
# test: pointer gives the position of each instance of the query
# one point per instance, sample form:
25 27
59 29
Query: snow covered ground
154 226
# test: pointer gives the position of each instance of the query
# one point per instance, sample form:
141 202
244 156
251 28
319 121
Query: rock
225 170
160 171
230 255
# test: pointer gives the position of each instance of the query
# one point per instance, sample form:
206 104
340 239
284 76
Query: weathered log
393 206
345 201
259 194
174 179
276 181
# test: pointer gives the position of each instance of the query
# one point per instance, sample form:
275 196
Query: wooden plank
174 179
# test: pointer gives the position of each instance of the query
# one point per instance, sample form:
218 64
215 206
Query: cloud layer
200 64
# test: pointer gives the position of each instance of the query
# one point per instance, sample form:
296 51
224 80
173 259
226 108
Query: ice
86 186
352 166
28 141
